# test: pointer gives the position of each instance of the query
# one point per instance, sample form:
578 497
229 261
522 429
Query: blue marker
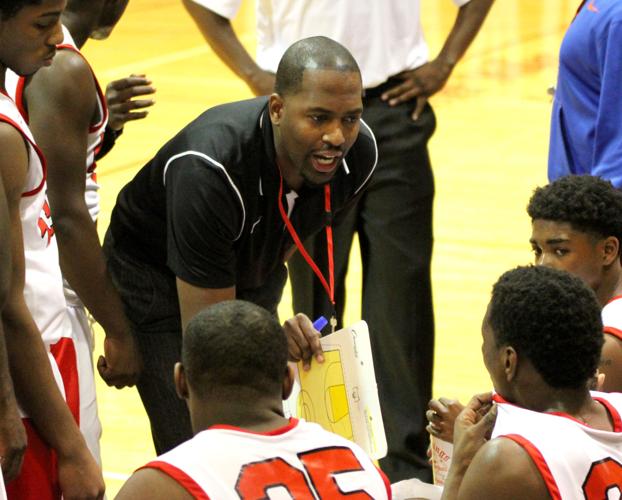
320 323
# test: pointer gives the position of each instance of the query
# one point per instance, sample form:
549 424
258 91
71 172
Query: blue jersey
586 123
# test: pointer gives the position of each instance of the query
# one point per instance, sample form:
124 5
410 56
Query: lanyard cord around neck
330 285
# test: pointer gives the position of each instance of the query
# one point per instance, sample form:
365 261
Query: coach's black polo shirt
205 208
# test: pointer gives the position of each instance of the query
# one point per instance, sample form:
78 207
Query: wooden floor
489 152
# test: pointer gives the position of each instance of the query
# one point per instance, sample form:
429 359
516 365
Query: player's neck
612 284
255 416
577 403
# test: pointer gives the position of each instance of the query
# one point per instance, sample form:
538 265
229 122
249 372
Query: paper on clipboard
341 394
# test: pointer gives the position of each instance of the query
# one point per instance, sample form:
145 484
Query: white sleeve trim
375 159
224 8
216 164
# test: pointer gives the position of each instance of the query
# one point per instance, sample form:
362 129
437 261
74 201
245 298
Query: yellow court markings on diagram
326 383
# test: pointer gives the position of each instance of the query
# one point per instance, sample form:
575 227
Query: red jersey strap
329 285
540 463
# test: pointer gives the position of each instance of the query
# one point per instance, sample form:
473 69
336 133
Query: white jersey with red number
612 317
300 460
43 289
577 462
15 88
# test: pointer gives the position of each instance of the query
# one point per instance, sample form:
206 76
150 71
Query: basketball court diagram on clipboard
340 394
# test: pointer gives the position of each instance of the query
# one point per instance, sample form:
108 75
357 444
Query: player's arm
220 35
152 484
428 79
61 105
12 434
611 363
34 383
500 469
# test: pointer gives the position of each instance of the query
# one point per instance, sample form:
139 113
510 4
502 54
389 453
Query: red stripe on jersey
8 120
19 97
613 299
615 415
613 331
180 477
540 462
387 483
38 477
64 353
293 422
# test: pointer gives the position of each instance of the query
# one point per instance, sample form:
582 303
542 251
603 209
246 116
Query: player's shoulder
68 77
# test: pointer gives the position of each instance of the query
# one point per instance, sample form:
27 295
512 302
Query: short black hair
553 319
8 8
234 345
317 52
589 204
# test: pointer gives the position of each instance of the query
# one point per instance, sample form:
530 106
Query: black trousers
394 223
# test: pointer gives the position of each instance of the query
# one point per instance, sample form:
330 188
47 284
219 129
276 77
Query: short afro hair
551 318
234 345
9 8
317 52
589 204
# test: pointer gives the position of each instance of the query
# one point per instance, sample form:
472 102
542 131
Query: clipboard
341 394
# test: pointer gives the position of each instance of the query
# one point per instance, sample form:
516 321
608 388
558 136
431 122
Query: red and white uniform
43 293
577 462
90 424
612 317
15 88
300 460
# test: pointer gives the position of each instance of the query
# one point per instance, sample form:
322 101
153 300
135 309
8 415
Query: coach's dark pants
394 223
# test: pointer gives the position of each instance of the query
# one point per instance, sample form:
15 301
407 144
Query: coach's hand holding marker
303 339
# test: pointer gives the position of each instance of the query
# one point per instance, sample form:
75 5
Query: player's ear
510 363
288 380
611 250
181 385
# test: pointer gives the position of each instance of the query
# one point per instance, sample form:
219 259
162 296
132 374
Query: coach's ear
275 106
180 381
611 250
288 380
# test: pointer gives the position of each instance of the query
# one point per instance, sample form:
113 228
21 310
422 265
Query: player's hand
418 84
261 82
79 476
122 105
12 441
441 415
473 427
303 340
120 365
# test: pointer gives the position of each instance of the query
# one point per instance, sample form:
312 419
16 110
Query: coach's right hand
303 340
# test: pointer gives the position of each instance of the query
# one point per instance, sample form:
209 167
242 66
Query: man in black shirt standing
215 214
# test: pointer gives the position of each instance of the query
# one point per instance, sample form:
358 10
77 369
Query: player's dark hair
589 204
551 318
234 345
8 8
317 52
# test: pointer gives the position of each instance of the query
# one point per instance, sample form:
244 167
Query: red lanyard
330 286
